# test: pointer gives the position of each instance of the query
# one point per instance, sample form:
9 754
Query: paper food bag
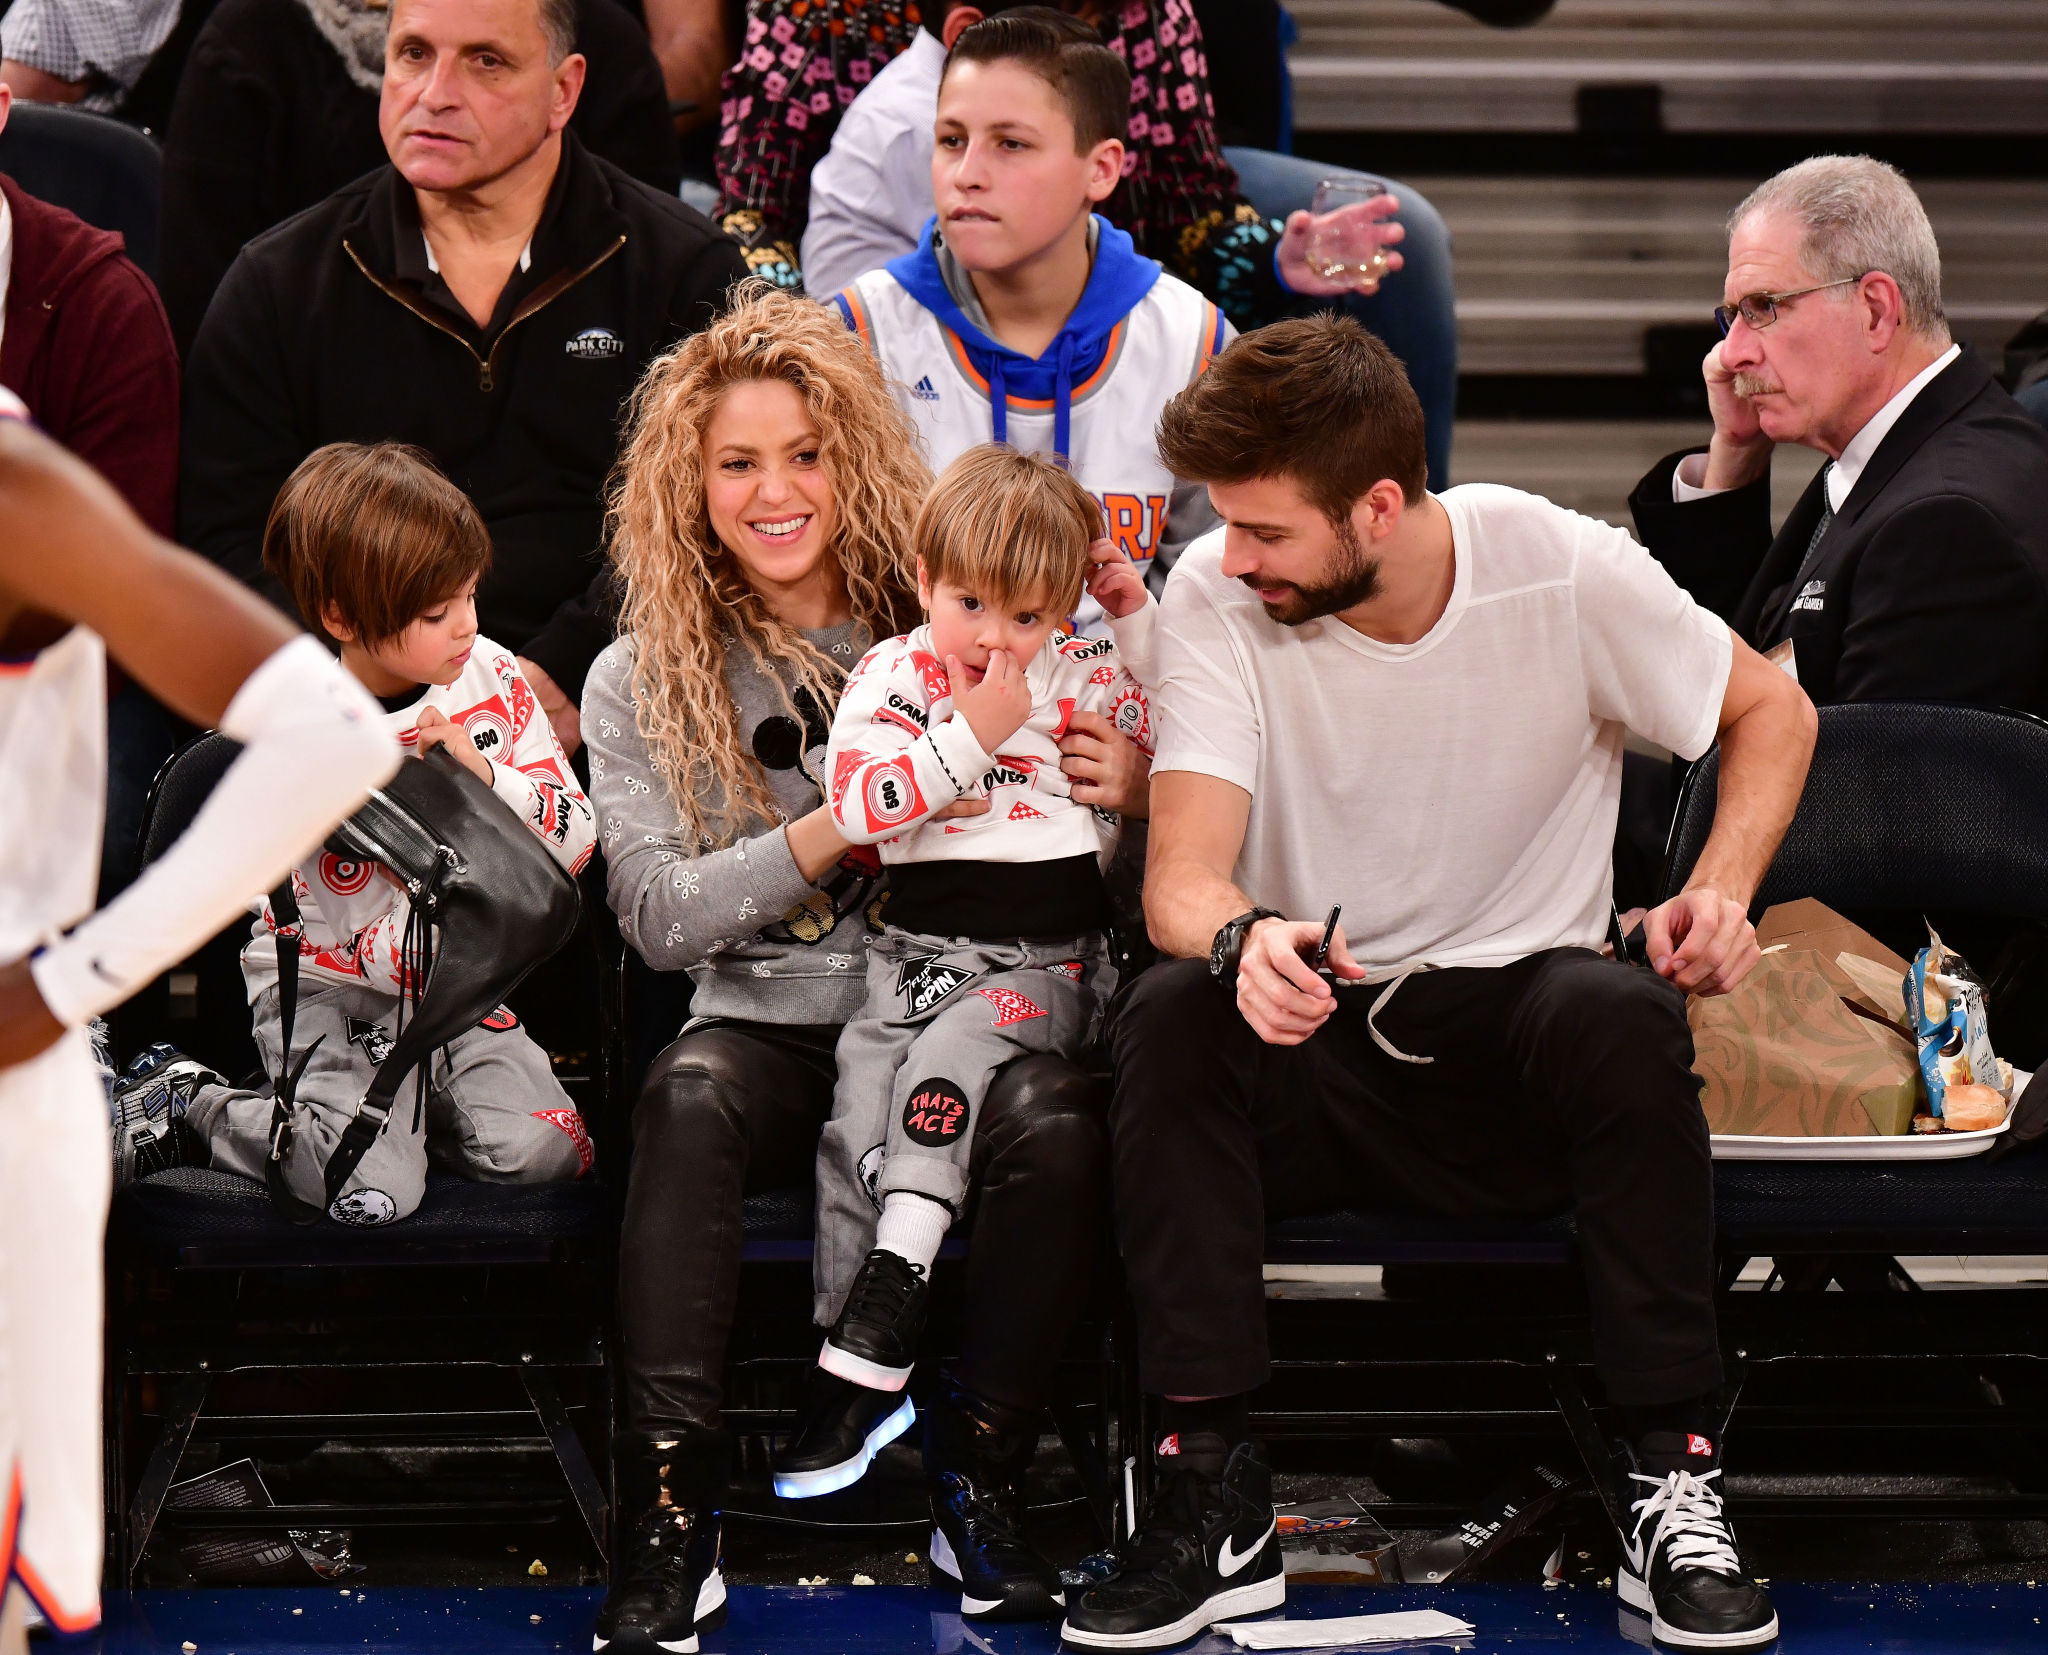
1866 974
1784 1056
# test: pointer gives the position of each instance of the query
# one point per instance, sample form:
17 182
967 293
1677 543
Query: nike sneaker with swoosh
1679 1563
1207 1550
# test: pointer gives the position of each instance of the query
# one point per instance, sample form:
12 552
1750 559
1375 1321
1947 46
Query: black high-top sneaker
666 1582
841 1429
975 1455
150 1099
1206 1550
1679 1563
874 1342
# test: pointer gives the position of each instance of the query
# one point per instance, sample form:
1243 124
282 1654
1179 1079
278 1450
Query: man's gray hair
1859 215
558 23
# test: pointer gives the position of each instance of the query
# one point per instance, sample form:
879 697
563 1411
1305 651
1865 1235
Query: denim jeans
1414 311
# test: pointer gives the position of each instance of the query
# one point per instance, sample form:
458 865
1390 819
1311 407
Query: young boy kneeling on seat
994 945
382 555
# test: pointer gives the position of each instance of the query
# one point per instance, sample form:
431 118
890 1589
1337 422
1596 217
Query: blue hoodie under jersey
1118 279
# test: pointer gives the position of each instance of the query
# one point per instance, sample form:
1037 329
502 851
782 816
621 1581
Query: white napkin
1345 1631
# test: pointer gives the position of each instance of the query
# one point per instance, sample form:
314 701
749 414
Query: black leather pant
734 1108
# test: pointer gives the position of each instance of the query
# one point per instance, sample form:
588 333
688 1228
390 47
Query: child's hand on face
1114 581
995 709
437 729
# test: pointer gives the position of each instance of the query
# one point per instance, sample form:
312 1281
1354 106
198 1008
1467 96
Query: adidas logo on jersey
924 391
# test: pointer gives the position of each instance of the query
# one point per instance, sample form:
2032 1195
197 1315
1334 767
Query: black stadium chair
106 172
481 1321
1908 810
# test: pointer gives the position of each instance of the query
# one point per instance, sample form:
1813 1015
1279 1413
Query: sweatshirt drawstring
998 400
1062 397
1372 1018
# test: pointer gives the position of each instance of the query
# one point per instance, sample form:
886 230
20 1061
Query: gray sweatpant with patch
942 1016
494 1110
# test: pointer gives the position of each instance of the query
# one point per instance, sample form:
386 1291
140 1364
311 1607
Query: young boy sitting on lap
1023 317
994 945
383 554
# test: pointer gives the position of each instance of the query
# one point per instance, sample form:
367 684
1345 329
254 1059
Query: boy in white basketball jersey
1024 318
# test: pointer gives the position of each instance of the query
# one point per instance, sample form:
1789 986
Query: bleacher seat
106 172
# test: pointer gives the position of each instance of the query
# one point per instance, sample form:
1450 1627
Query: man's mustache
1754 385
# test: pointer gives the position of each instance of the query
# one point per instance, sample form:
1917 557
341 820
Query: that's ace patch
936 1114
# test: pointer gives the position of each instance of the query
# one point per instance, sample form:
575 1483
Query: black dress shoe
1207 1550
1679 1563
975 1455
666 1581
842 1427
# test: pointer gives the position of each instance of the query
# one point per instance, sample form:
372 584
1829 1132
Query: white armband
315 743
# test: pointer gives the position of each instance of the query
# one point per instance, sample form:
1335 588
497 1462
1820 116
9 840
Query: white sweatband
315 743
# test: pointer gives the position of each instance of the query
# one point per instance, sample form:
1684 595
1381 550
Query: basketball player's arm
1198 828
314 741
1702 939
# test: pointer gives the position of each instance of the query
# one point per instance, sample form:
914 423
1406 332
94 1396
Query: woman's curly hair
684 601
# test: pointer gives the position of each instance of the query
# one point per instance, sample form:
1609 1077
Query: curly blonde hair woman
761 527
687 597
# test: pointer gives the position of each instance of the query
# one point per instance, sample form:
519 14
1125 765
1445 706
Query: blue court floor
899 1620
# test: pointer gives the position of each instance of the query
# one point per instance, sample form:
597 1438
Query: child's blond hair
1008 526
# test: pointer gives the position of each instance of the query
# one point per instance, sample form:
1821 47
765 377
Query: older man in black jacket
491 296
1915 568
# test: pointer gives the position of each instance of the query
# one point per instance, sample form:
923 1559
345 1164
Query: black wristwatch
1229 944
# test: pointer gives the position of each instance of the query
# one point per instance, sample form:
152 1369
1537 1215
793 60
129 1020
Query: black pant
735 1108
1561 1081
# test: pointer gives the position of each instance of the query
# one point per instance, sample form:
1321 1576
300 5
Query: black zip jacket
331 328
268 123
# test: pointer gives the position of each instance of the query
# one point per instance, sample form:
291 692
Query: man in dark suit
1915 568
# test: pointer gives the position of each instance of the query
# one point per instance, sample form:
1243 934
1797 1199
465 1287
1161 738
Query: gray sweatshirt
759 940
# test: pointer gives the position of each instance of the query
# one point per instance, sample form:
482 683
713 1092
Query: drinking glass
1346 249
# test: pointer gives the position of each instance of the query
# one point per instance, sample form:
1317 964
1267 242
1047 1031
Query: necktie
1820 529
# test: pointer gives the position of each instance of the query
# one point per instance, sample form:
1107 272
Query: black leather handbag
488 904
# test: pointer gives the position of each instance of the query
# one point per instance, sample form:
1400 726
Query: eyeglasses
1760 310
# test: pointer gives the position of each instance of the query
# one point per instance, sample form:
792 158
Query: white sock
912 1226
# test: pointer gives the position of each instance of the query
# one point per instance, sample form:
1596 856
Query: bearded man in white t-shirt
1413 705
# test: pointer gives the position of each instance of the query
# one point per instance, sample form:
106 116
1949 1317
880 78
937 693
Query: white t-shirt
1458 794
872 190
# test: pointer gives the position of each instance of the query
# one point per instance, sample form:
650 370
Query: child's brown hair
1010 526
375 530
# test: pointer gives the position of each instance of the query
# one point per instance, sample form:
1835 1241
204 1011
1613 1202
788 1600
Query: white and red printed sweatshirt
899 754
353 917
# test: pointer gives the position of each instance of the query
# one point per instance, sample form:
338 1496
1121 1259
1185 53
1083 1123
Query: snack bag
1945 1004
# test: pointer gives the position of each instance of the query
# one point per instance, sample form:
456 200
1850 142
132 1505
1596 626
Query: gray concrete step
1563 276
1838 66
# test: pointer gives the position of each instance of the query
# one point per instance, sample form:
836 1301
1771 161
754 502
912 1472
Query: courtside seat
197 1219
1974 1206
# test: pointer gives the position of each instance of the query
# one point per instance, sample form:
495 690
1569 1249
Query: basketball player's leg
54 1181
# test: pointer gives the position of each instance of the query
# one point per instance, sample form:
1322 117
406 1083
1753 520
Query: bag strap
288 928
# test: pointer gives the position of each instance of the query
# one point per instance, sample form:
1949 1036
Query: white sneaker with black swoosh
1207 1550
1679 1563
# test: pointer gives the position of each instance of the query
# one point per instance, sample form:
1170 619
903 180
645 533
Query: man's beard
1352 578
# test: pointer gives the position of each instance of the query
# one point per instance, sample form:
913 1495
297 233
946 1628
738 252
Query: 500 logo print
936 1114
890 795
